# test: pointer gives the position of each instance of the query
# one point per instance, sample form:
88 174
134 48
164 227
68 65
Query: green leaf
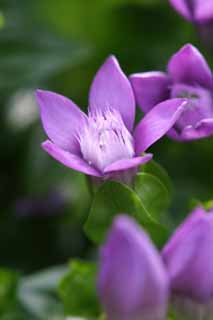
8 286
159 172
153 193
38 294
78 290
114 198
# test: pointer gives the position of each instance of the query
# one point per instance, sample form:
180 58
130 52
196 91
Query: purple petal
69 160
174 134
182 230
132 282
189 260
199 105
126 164
182 7
150 88
202 130
203 11
157 123
61 119
112 90
189 66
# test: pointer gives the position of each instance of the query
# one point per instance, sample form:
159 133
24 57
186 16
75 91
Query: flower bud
189 260
132 283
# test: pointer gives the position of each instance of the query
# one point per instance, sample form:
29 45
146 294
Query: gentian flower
188 257
103 143
200 13
132 282
188 76
197 11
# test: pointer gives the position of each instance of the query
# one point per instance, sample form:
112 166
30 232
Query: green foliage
153 193
38 294
8 285
113 198
155 169
78 290
31 297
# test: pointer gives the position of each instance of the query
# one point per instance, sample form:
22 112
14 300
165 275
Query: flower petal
202 130
182 7
150 88
157 122
132 281
203 11
189 66
126 164
61 119
182 230
69 160
174 134
112 89
188 255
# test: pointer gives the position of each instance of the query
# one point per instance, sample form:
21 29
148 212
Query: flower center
199 106
105 139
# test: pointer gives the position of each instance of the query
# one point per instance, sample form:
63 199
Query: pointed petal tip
69 159
157 122
111 88
188 65
39 93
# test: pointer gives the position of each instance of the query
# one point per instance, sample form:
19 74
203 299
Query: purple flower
188 76
103 143
132 282
189 260
49 205
198 11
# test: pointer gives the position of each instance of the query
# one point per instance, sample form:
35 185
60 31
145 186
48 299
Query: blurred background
59 45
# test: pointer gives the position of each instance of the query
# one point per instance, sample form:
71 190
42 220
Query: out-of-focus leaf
2 21
30 54
114 198
153 193
208 205
8 286
37 294
78 290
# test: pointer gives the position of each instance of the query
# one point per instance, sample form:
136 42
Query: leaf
37 294
153 193
8 286
114 198
30 54
78 290
158 171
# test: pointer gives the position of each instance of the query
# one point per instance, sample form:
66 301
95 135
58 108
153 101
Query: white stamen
105 139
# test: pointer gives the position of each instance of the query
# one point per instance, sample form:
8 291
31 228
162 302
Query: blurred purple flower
132 282
200 13
49 205
188 76
189 260
103 143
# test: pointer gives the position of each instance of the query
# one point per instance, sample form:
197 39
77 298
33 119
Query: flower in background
52 204
132 283
200 13
188 257
103 143
188 76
